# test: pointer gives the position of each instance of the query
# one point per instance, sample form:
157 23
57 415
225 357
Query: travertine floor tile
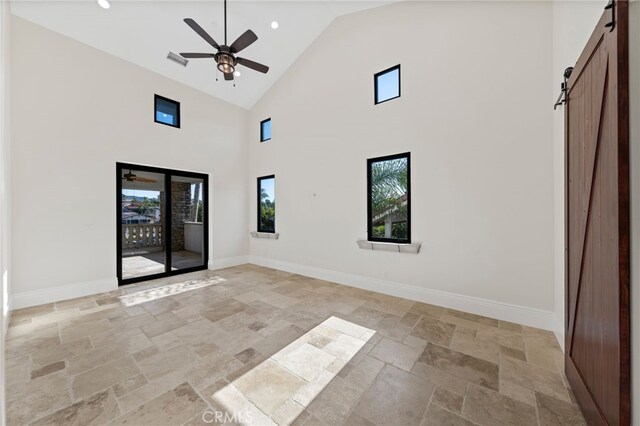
102 377
48 369
433 330
440 377
31 400
438 416
552 411
533 377
447 399
98 409
269 386
396 397
176 406
306 361
397 354
282 347
487 407
335 402
467 367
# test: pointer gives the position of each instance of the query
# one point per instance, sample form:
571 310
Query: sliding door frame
168 173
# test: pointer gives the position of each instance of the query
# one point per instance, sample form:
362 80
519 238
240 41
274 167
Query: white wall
475 113
193 237
5 190
634 114
76 111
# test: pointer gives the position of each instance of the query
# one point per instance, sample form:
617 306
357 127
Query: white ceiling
143 32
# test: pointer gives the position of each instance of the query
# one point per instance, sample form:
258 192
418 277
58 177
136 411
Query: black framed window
389 198
265 130
267 204
166 111
387 84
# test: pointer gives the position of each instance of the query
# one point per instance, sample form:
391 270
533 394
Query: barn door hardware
611 24
562 98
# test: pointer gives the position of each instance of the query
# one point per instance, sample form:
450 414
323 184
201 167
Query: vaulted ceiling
143 32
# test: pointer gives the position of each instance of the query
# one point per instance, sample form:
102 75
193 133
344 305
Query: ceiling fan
130 177
225 56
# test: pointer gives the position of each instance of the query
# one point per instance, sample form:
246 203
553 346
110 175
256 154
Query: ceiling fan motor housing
225 59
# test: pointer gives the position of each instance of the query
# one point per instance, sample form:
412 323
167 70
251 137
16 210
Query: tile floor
140 264
250 345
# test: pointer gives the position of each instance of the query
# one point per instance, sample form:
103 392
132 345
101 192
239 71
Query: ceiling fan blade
253 65
244 41
228 76
144 179
202 33
197 55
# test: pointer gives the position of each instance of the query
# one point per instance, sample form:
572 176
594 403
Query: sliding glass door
187 222
162 222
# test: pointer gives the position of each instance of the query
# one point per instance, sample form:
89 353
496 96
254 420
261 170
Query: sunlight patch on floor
143 296
276 391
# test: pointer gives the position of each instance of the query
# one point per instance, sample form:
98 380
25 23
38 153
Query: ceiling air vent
177 59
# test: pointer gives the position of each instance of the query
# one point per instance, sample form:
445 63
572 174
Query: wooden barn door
597 223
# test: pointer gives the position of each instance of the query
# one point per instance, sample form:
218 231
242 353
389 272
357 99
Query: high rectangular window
166 111
387 84
267 204
389 198
265 130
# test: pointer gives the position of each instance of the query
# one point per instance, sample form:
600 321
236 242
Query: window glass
387 84
265 130
389 200
167 111
267 204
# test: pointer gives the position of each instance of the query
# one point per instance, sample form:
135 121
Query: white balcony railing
144 235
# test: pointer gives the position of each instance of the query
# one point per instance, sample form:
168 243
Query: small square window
166 111
265 130
387 84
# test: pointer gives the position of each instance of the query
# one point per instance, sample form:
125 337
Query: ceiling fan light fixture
226 63
225 55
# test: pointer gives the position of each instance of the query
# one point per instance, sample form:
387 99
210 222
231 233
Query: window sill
399 248
265 235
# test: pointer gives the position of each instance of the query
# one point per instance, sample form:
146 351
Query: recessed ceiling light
237 73
104 4
275 25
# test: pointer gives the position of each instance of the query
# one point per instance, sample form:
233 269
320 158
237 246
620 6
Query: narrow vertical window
267 204
389 198
387 85
166 111
265 130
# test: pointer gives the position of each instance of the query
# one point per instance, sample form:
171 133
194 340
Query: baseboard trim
503 311
558 330
7 318
228 262
55 294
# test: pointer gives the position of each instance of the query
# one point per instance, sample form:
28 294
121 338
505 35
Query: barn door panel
597 215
